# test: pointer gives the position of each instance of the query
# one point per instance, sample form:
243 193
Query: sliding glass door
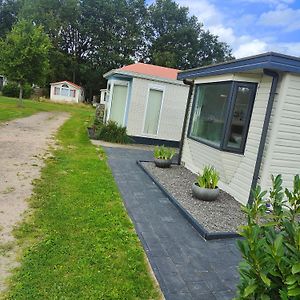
118 104
153 111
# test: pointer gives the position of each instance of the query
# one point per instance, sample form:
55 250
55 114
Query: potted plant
206 187
163 156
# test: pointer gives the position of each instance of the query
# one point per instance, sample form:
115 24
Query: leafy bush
209 178
12 89
161 152
99 115
271 248
112 132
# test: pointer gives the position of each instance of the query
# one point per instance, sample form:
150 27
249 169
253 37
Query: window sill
203 142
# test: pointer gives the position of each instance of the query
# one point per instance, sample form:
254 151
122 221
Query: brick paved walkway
185 265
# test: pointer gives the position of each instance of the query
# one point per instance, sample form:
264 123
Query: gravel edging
218 219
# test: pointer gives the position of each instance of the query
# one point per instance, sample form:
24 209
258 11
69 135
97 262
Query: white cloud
287 18
270 2
251 47
245 45
204 10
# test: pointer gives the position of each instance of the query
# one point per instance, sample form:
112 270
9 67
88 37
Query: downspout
185 121
265 128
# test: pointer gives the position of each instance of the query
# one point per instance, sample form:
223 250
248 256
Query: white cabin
66 91
148 100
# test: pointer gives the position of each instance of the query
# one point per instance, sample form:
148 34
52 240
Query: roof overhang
67 82
129 75
273 61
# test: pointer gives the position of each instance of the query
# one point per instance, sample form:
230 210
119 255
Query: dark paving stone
179 296
186 265
224 295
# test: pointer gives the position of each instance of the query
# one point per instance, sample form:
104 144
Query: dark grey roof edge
271 60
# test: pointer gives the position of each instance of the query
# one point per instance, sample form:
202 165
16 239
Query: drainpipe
265 128
185 121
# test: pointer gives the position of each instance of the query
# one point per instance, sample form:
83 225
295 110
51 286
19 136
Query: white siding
283 155
172 113
236 171
59 98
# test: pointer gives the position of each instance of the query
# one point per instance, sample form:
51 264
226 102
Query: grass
9 108
77 240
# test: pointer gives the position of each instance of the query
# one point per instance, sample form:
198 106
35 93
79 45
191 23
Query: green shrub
112 132
271 248
161 152
209 178
99 115
12 89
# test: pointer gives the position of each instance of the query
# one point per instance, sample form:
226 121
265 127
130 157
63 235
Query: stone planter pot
162 163
205 194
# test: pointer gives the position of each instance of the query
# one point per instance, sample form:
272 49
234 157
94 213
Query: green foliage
12 89
9 10
24 54
92 37
209 178
99 115
162 152
112 132
271 244
179 40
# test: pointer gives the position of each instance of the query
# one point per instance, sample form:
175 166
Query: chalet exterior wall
172 112
236 170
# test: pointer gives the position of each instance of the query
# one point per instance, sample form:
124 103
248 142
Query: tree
178 40
24 55
8 15
90 37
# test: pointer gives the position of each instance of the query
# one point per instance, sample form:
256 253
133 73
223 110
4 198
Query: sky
251 26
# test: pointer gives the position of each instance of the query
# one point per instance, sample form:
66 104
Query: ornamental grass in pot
206 187
163 156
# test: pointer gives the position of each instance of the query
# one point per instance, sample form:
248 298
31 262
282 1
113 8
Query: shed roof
270 60
69 82
150 70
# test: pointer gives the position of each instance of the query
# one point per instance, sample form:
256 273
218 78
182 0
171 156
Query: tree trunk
21 95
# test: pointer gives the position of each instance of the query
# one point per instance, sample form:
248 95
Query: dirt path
23 144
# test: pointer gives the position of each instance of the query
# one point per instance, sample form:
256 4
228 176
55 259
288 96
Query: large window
65 91
221 114
153 111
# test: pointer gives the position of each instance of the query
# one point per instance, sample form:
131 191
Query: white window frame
159 88
111 92
60 87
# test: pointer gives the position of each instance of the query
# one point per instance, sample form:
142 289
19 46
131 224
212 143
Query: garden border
202 231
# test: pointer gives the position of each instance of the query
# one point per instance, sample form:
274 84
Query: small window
238 126
153 111
72 93
221 114
56 91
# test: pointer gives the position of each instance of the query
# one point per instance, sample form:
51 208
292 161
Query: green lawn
79 242
9 108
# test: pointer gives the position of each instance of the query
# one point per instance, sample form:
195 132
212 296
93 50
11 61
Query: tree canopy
179 41
24 54
91 37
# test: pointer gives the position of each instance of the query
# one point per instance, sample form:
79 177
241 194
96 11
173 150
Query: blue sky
251 26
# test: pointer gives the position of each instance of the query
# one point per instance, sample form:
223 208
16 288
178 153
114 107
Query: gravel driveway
23 145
